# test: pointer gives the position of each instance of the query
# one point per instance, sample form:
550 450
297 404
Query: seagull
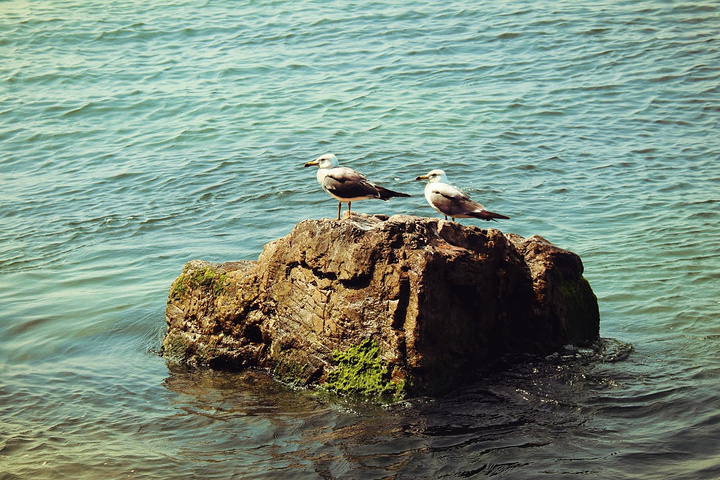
451 201
345 184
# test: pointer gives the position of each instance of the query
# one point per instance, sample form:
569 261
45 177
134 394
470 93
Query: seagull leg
445 217
339 208
348 214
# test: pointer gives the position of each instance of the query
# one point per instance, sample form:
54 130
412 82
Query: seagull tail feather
486 215
386 194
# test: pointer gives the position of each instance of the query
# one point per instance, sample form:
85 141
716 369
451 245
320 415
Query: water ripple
138 136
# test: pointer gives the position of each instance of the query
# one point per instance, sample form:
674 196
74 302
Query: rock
381 306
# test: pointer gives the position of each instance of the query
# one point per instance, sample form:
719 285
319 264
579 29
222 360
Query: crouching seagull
451 201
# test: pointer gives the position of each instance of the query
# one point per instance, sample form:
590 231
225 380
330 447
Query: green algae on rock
361 371
205 277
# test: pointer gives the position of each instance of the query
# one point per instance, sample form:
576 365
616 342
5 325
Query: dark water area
137 136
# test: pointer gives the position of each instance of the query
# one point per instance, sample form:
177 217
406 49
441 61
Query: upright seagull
451 201
347 185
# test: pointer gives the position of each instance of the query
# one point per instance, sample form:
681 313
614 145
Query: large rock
417 302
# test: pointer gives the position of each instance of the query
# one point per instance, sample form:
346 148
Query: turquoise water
135 136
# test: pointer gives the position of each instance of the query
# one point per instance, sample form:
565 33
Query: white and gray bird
347 185
451 201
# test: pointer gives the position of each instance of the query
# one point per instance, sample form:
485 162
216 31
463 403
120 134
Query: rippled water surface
135 136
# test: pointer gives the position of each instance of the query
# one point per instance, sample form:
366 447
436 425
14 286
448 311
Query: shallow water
136 136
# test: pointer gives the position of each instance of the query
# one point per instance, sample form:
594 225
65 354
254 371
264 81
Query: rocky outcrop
413 302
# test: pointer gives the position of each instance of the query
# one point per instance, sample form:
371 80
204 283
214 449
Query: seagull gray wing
451 200
344 182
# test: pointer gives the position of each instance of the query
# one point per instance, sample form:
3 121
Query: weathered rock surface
438 299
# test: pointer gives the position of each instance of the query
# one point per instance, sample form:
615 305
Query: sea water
135 136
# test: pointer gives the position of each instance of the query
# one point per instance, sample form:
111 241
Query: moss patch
209 278
178 288
206 278
582 322
175 348
360 371
289 371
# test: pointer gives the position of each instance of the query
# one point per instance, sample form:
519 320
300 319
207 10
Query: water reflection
515 420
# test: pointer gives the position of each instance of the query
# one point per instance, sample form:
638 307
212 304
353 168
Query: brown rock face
439 299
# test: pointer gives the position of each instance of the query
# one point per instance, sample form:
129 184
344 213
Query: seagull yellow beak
311 163
422 177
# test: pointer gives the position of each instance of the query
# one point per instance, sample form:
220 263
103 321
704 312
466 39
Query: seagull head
434 176
324 161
